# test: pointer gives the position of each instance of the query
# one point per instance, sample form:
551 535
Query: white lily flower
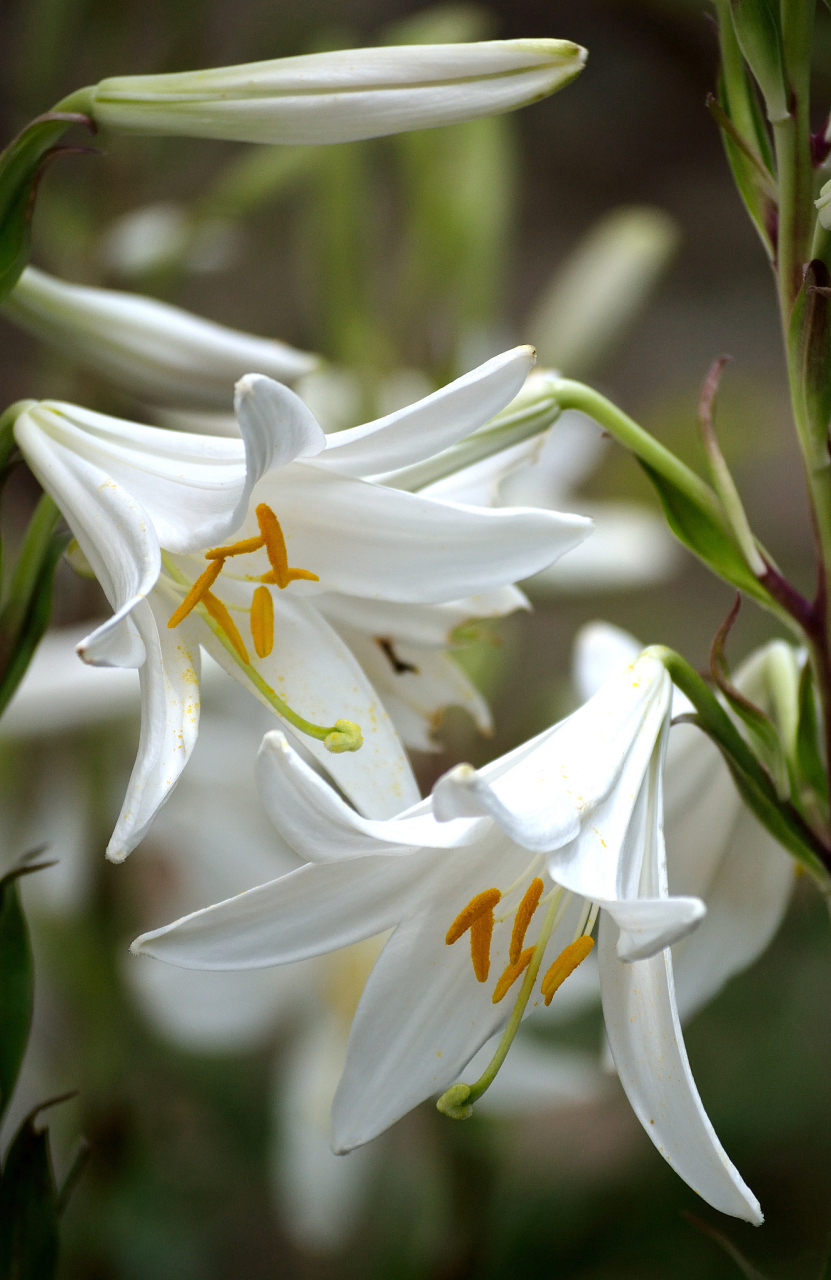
339 96
146 347
585 799
149 507
319 1195
716 849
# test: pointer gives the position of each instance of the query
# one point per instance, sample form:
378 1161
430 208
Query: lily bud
339 96
146 347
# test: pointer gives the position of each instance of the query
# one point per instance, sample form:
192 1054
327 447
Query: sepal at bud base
809 345
21 167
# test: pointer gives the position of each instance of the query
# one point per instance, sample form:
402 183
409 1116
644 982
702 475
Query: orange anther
223 618
524 912
484 901
262 622
236 549
278 557
566 962
511 974
481 932
200 588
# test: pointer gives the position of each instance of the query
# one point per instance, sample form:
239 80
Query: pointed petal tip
454 795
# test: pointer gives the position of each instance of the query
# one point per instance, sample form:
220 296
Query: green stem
344 735
574 395
458 1100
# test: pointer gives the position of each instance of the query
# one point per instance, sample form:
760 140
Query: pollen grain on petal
484 901
262 622
567 961
223 619
522 919
481 932
511 973
198 591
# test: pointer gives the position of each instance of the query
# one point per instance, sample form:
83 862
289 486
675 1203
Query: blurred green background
427 254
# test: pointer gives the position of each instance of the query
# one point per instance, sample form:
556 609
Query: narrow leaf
809 342
16 985
21 168
28 1208
704 537
760 726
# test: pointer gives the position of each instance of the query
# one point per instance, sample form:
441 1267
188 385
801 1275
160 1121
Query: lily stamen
262 622
567 961
478 917
524 912
510 974
275 544
198 592
484 901
242 548
223 619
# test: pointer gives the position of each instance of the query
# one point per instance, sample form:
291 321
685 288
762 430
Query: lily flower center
478 918
262 607
343 735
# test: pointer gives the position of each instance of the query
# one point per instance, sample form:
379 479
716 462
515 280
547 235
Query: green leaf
36 619
809 344
21 168
757 30
761 728
808 755
704 537
28 1207
16 984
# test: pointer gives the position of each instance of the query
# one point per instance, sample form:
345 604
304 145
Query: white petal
320 1195
419 624
647 925
423 1015
651 1059
419 682
145 346
601 652
111 526
432 424
276 422
312 669
318 908
314 820
343 95
745 905
478 485
194 489
169 721
365 540
570 452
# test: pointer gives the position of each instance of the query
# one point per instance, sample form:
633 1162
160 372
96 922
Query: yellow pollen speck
262 622
567 961
511 974
524 912
200 588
